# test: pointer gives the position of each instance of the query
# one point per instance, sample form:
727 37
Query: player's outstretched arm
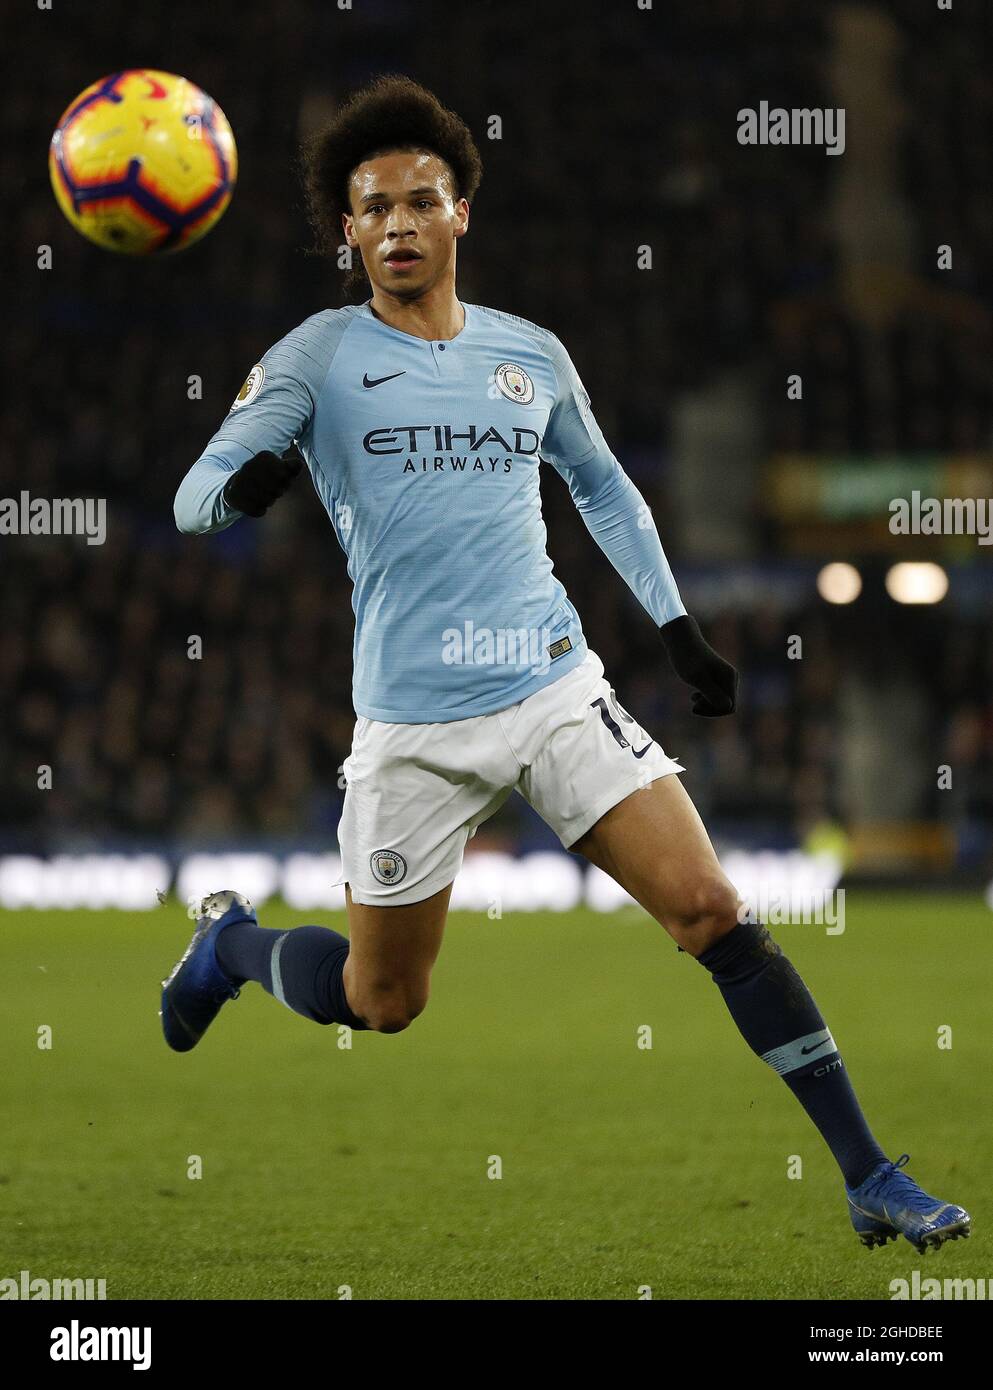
620 521
199 507
251 459
229 483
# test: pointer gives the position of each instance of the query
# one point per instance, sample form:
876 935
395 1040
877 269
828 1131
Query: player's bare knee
391 1009
708 912
394 1020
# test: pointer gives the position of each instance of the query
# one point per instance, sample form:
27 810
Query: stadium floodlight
919 581
839 583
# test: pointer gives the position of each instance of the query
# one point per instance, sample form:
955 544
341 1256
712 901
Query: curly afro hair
391 113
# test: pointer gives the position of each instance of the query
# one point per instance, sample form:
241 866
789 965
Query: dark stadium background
618 132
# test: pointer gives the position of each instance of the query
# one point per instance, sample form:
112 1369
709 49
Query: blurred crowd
120 371
198 693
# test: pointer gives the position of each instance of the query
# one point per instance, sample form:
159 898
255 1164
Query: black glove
714 680
259 482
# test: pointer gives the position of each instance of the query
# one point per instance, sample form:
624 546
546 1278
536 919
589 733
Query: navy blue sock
302 968
777 1017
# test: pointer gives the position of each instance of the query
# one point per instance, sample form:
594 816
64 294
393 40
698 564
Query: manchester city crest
387 865
514 383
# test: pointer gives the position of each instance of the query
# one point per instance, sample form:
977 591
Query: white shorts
416 793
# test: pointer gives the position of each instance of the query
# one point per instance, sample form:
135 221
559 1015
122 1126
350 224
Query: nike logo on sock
790 1056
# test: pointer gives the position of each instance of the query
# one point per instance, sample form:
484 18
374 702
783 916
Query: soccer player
423 422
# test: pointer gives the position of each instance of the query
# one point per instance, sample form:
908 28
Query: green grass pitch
622 1167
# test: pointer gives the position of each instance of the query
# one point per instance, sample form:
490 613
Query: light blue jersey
426 455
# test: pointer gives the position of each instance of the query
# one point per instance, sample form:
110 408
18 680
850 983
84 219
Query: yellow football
143 162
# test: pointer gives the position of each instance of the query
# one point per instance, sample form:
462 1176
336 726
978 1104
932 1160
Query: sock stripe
277 977
801 1051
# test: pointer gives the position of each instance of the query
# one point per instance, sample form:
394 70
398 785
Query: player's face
405 221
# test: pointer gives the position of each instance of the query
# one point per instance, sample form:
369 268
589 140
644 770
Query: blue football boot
195 991
889 1203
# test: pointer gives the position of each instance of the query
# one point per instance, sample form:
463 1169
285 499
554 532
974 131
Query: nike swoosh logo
380 379
805 1050
928 1219
640 752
